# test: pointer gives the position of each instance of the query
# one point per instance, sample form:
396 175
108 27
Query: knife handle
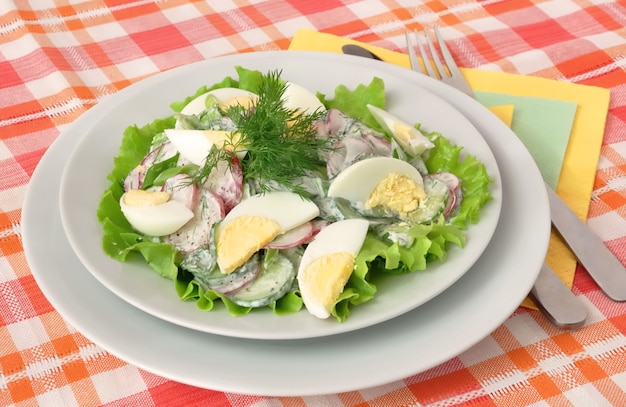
556 301
589 249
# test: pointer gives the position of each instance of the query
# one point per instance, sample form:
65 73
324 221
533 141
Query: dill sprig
213 158
281 143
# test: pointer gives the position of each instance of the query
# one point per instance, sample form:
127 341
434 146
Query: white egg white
410 138
300 98
357 182
194 145
345 236
222 95
288 209
157 220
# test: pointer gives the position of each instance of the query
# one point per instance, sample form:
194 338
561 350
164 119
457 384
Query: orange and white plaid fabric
59 58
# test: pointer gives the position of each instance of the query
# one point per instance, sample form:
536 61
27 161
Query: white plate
438 330
84 180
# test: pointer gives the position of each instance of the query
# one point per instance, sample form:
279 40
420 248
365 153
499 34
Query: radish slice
458 198
451 180
380 144
294 237
450 205
134 180
227 182
333 124
456 194
208 209
161 153
318 225
181 189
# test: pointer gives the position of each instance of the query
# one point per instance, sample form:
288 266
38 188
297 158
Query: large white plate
85 173
438 330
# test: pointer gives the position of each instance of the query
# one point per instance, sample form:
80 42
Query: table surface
58 59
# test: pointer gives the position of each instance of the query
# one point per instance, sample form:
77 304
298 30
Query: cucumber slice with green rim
274 281
456 194
202 263
235 281
437 194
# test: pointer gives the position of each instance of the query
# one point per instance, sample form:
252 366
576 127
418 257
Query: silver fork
449 74
553 298
606 270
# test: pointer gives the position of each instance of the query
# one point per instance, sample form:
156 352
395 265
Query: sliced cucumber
274 281
336 208
224 283
199 261
202 263
437 194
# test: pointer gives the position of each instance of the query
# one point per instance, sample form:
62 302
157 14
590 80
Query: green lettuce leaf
354 102
119 238
135 145
381 257
473 175
227 82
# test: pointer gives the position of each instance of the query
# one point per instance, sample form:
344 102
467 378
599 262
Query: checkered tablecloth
59 58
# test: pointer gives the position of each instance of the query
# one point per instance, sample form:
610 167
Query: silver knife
553 298
556 301
589 249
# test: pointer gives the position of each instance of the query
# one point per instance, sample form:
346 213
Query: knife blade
589 249
353 49
553 298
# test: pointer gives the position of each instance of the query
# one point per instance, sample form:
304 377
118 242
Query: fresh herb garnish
156 169
281 143
213 158
171 172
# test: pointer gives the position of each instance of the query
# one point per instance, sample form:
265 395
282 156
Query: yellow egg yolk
238 240
246 101
396 192
326 277
223 139
139 197
403 132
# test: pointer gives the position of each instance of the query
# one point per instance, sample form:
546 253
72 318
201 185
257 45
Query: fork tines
447 72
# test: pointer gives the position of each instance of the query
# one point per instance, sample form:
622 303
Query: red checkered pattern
59 58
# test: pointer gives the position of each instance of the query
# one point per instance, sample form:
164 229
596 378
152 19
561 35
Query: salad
257 193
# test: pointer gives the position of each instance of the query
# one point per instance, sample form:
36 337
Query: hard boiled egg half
194 145
410 138
226 97
297 97
255 222
327 264
153 213
380 181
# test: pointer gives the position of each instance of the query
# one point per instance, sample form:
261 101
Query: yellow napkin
581 157
504 112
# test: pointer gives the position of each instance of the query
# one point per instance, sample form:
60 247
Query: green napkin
543 125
